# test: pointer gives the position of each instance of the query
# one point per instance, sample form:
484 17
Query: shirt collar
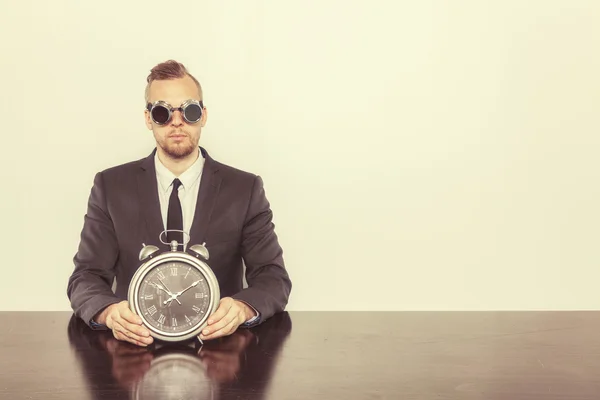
187 178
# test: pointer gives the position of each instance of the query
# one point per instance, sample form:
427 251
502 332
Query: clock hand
156 285
187 288
171 295
169 290
176 295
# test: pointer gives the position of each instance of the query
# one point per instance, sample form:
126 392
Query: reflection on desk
225 368
328 355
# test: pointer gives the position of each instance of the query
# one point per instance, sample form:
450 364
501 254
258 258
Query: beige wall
417 154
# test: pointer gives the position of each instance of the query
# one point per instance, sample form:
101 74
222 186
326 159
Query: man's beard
178 150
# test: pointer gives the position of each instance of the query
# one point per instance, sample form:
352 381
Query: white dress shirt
188 191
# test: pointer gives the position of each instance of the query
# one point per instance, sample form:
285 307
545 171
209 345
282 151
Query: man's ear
204 116
148 119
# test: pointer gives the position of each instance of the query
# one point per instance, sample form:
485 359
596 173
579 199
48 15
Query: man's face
178 138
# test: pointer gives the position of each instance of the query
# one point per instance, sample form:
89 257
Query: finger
136 329
224 321
124 338
129 316
224 331
140 333
224 307
131 336
133 327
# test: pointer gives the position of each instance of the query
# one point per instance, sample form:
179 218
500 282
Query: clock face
174 297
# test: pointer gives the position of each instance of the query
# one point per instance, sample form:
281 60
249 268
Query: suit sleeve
269 285
90 285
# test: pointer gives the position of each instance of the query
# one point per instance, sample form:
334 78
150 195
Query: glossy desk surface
314 355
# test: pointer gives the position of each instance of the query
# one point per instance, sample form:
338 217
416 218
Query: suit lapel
207 195
149 202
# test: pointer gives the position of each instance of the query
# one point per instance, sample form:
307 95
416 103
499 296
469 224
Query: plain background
418 155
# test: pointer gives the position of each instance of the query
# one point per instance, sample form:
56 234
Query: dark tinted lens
160 114
193 112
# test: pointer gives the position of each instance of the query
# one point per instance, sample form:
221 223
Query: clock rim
154 262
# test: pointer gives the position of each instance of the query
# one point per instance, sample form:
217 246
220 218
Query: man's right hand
124 324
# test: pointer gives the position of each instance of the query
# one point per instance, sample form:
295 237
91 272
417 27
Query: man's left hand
229 315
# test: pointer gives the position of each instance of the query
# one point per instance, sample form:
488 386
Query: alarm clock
174 292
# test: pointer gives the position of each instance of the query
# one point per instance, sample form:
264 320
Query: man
133 203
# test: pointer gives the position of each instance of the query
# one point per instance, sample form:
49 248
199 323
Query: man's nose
177 118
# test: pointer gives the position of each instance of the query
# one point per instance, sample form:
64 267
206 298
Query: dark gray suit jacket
232 216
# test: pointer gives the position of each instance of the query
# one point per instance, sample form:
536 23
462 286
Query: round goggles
162 112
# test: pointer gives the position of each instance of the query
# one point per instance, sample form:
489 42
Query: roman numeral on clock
152 310
161 319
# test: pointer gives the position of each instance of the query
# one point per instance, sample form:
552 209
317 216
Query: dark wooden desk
310 355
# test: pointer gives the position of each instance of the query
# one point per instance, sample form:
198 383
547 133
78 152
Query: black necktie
175 215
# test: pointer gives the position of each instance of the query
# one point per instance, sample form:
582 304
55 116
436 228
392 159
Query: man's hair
170 69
